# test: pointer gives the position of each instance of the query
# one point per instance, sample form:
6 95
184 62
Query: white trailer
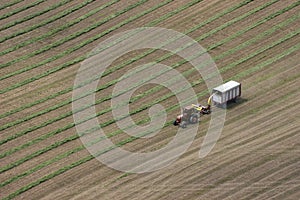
226 92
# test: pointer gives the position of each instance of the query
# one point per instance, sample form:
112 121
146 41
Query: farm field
255 42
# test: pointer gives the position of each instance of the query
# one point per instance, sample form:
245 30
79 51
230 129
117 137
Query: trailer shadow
232 104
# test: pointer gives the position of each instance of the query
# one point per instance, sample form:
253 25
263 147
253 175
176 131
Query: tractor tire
194 119
183 124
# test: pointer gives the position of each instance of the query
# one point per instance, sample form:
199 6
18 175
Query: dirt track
257 156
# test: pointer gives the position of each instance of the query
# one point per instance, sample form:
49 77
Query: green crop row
211 19
9 4
23 146
71 23
71 88
65 39
33 128
60 55
147 53
149 10
64 155
6 15
47 21
86 159
59 157
55 132
35 53
105 124
31 16
70 113
50 71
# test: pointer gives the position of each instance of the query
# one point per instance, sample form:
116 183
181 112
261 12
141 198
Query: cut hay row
9 4
45 22
53 133
261 148
56 30
147 93
62 170
168 55
67 38
21 9
81 58
164 17
31 16
69 126
80 148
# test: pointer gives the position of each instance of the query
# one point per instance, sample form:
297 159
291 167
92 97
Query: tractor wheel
194 119
182 124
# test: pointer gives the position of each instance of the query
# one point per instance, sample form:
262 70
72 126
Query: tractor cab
190 115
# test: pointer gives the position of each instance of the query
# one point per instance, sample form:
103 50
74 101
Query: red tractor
191 114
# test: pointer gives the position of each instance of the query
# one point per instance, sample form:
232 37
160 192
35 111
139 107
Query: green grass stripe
22 58
53 120
104 124
41 165
71 88
50 33
154 50
67 114
267 32
207 21
21 9
38 114
48 122
73 151
31 16
88 158
54 31
9 4
47 21
229 23
34 128
81 58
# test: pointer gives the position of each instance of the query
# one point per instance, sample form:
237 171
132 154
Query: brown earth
256 157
